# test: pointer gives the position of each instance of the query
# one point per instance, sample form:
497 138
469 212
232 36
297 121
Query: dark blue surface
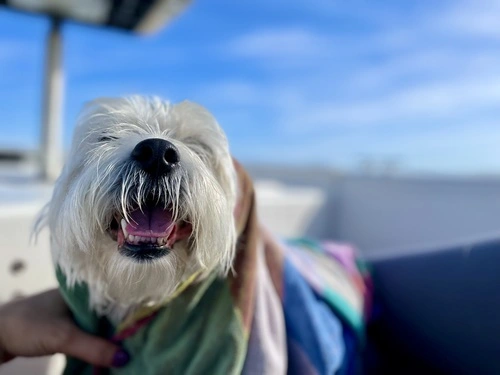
442 308
311 325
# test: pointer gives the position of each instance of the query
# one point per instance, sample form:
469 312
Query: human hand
42 325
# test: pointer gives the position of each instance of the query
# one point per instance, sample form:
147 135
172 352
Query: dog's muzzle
149 231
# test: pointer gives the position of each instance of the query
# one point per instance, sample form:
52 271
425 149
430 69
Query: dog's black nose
156 156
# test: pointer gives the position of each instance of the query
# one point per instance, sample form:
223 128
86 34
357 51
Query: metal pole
53 92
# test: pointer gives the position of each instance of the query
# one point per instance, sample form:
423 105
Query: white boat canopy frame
144 16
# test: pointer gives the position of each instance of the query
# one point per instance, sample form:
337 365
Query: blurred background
405 86
375 123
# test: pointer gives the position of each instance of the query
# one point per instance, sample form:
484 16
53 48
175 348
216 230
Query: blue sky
324 82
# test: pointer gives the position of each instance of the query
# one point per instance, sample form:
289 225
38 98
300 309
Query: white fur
98 180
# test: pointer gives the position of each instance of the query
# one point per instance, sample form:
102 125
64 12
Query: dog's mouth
148 232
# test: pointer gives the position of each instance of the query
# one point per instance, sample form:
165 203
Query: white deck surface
21 198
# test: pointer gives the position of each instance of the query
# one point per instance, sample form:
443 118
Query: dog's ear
196 117
206 129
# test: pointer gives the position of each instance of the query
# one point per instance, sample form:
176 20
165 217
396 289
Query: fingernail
120 358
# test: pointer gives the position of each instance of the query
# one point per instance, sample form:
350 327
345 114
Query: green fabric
77 300
199 332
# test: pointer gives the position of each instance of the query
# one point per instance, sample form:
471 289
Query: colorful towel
294 307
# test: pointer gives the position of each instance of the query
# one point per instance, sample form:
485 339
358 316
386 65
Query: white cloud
479 18
282 43
230 92
445 100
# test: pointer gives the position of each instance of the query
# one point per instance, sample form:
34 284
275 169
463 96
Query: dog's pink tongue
153 221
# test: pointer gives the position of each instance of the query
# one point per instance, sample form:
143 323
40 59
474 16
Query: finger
93 350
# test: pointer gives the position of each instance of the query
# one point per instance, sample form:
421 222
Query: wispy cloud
282 43
472 18
230 92
425 81
445 101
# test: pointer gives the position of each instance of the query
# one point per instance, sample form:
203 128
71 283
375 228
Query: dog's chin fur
100 181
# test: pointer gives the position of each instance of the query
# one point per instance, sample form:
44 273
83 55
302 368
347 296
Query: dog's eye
106 138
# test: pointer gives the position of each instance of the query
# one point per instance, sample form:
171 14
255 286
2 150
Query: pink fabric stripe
130 331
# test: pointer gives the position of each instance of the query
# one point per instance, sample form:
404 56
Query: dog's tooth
124 228
131 238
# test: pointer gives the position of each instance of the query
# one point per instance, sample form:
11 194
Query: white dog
145 200
148 219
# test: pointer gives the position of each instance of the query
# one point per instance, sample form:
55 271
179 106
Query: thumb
94 350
